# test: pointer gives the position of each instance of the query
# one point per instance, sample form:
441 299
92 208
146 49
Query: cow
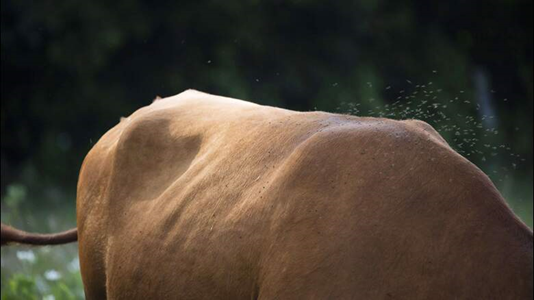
199 196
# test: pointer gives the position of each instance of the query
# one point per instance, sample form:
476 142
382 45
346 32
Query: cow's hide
204 197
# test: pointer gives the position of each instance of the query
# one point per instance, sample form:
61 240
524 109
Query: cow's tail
11 235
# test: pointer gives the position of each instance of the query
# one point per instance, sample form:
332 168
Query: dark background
70 69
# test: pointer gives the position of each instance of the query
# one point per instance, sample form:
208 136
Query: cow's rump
204 197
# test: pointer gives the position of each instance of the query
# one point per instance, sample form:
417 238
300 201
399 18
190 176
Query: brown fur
205 197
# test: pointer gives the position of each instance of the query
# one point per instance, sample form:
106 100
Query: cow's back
198 197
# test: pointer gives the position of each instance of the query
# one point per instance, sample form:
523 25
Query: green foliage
20 287
62 291
25 287
15 196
